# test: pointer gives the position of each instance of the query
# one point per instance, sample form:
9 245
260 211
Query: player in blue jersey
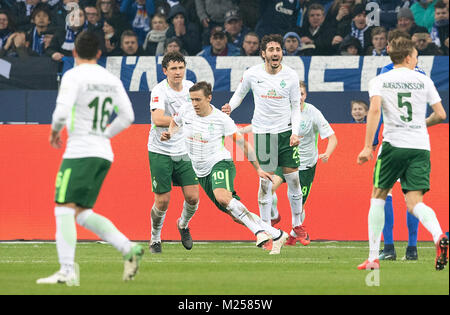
389 253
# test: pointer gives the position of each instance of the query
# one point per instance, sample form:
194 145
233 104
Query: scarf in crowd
141 20
156 37
359 34
29 9
4 37
69 42
38 42
382 53
435 31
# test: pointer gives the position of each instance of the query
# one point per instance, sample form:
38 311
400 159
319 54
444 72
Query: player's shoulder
187 84
218 114
254 70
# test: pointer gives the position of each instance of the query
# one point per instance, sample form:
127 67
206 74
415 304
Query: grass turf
223 268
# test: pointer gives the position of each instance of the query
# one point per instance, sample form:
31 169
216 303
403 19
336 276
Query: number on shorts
218 175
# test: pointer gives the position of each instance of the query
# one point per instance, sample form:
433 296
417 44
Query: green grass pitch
224 268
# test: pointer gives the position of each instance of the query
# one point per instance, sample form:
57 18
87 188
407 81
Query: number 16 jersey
88 96
404 97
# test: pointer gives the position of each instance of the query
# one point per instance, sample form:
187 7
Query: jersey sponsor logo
272 94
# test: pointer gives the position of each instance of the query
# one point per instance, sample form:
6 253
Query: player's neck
403 65
175 86
271 70
207 111
80 61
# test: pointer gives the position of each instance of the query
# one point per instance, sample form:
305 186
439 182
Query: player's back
92 95
405 94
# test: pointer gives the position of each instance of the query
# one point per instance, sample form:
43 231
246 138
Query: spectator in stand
350 46
6 27
48 36
425 46
359 110
129 44
250 46
17 46
389 9
339 13
112 32
316 36
93 17
63 41
174 44
22 13
154 42
277 17
219 45
41 21
423 11
379 42
291 42
138 13
110 9
235 28
357 28
212 13
439 32
406 23
188 33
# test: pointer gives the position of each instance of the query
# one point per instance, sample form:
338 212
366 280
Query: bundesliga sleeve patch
155 99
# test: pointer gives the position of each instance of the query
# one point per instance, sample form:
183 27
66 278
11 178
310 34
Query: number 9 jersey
88 96
404 96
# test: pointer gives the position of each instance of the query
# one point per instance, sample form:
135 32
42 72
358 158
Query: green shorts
222 176
79 181
306 179
166 169
273 150
411 166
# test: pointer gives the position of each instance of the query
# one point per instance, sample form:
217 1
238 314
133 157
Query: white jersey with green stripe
88 96
312 124
170 101
404 95
204 137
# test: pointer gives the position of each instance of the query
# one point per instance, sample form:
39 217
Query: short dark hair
128 33
202 85
315 6
87 44
172 56
440 5
41 7
271 38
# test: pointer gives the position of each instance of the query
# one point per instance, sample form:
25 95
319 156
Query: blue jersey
385 69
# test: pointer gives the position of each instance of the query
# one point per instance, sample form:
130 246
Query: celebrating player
87 98
276 123
403 95
204 130
168 160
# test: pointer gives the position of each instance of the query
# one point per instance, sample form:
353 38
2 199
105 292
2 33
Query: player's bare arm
55 139
332 144
159 119
250 154
373 118
438 115
173 129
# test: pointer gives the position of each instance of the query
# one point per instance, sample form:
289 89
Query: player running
169 162
276 123
205 129
312 124
403 95
87 98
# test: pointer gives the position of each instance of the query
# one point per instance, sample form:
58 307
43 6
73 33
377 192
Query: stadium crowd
219 27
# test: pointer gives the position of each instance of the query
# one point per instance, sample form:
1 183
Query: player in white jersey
169 162
312 124
402 94
276 122
204 130
87 98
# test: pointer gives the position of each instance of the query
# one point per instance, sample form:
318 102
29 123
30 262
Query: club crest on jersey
211 128
283 84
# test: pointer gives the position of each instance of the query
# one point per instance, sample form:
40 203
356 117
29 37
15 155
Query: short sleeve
323 126
433 96
375 87
178 116
230 127
157 99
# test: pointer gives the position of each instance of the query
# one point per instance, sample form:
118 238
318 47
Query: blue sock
388 222
413 225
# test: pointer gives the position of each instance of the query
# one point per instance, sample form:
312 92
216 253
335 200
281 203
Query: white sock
239 211
376 225
274 210
276 233
265 199
104 229
187 214
295 197
66 237
157 217
428 218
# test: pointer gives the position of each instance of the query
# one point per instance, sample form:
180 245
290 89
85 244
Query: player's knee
223 198
192 200
162 201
